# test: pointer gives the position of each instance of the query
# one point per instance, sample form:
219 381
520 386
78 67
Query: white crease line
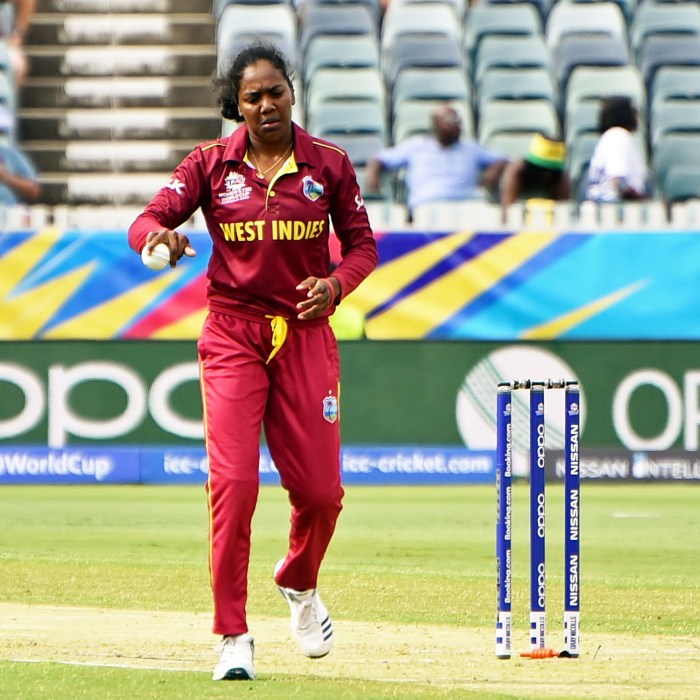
135 667
647 652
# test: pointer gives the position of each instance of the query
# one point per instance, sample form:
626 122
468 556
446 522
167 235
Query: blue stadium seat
484 20
518 84
347 117
596 18
660 51
509 52
334 20
415 51
663 19
681 183
673 116
344 51
584 50
674 149
240 23
498 116
345 83
436 18
431 84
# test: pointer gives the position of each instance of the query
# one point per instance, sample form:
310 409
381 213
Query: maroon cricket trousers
293 394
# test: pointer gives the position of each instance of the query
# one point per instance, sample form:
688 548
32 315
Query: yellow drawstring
279 334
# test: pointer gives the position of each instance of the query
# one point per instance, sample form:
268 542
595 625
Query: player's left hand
321 293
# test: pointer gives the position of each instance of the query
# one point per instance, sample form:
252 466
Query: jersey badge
330 409
236 189
312 189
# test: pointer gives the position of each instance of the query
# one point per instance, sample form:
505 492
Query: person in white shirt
618 170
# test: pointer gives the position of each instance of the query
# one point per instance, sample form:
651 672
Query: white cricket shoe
310 622
236 661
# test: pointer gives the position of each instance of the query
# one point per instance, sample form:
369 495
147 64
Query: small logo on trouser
330 409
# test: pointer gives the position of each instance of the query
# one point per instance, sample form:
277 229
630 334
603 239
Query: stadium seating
542 6
676 83
575 50
334 20
594 82
346 117
240 23
416 51
663 18
509 52
517 115
360 148
431 84
627 7
343 51
328 84
675 149
670 116
581 118
513 145
374 6
221 5
681 183
660 51
512 67
484 19
579 152
593 19
434 18
518 84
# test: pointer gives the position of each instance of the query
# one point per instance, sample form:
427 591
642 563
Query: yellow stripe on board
16 263
558 326
107 319
183 329
422 312
24 315
387 280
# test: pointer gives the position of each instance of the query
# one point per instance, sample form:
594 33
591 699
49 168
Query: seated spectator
18 178
441 166
539 175
15 18
617 171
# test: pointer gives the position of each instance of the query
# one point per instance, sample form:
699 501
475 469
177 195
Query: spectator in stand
617 171
15 18
440 166
540 174
18 179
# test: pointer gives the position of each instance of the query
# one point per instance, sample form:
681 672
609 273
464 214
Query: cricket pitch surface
620 666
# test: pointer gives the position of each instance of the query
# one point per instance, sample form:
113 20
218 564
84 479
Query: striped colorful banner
460 285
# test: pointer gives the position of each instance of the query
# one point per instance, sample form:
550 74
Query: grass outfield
104 594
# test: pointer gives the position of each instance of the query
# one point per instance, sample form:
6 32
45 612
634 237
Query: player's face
265 101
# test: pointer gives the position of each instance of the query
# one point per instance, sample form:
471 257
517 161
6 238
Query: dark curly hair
226 83
617 111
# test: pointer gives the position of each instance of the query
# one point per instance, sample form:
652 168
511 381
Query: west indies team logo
330 408
312 189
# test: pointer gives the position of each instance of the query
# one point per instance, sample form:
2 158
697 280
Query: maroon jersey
267 238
